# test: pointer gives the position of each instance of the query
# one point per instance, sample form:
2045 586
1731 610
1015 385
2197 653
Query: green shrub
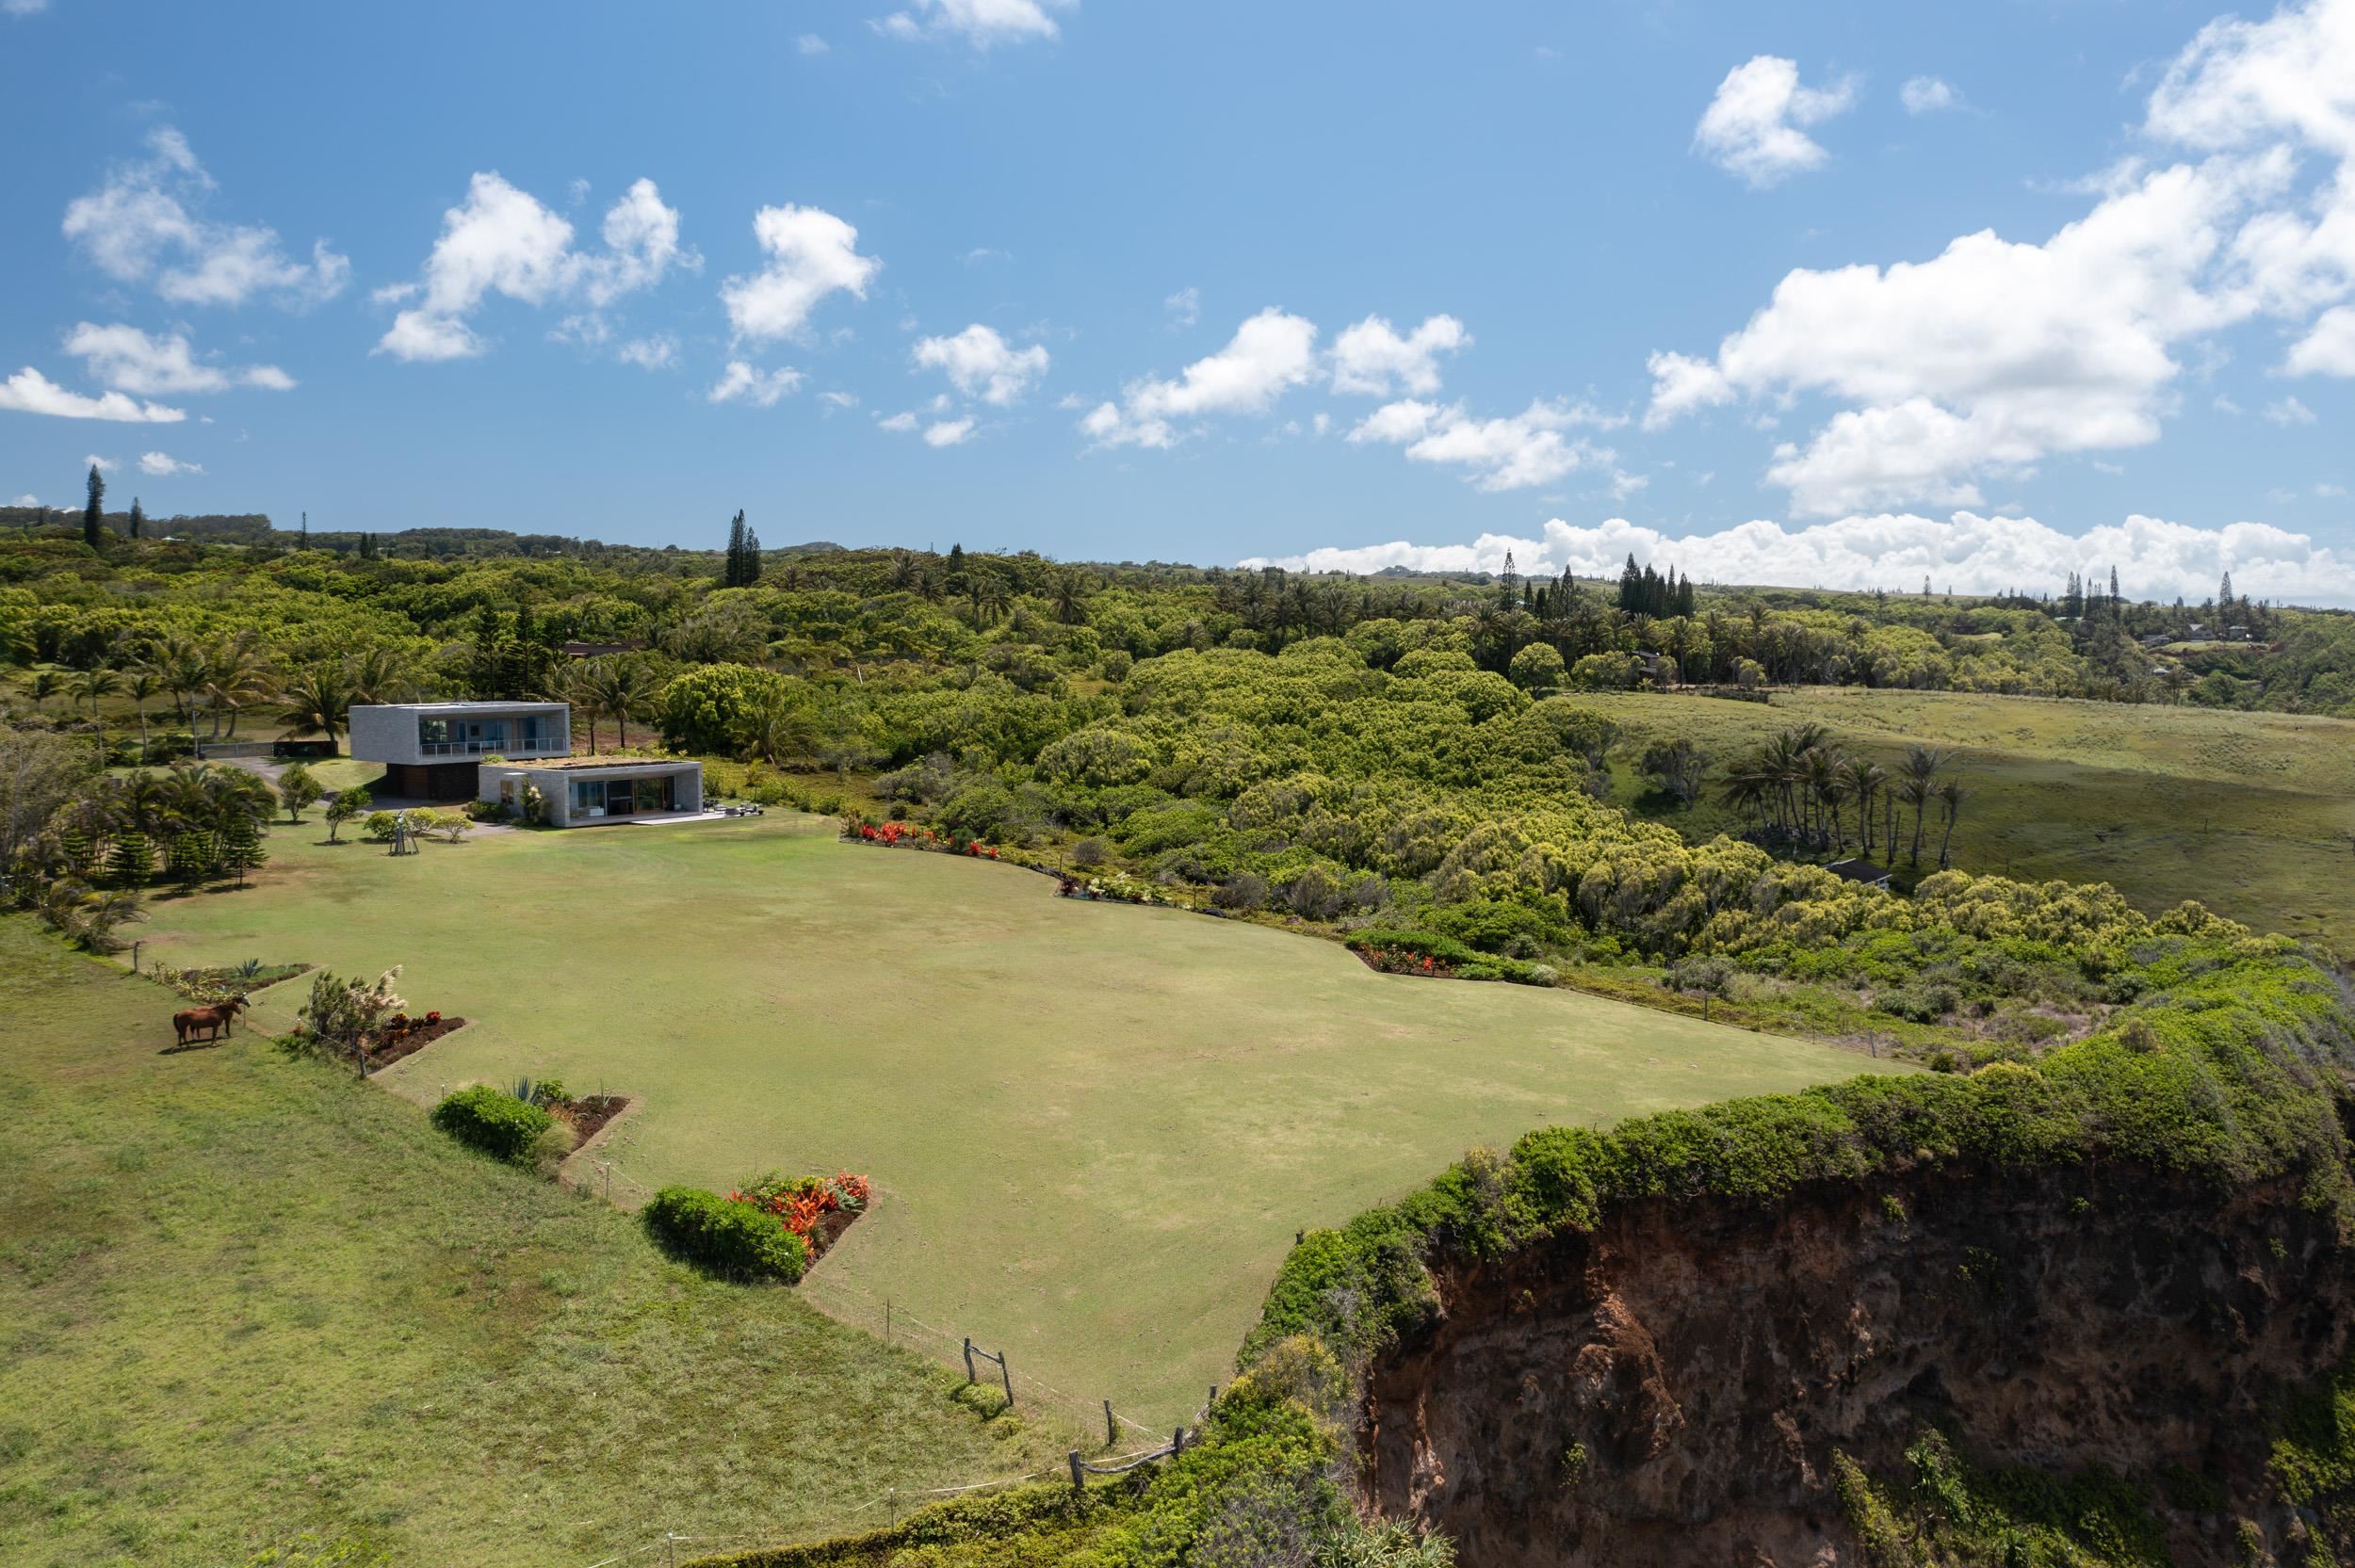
494 1121
729 1239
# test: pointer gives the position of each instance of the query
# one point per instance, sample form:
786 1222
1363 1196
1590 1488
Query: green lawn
2251 814
243 1297
1094 1128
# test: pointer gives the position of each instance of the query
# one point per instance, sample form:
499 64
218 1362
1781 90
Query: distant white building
431 751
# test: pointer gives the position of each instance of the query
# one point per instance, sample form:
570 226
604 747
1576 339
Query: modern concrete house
433 750
577 791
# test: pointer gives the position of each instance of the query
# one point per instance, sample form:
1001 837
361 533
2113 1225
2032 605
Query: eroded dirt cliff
1672 1388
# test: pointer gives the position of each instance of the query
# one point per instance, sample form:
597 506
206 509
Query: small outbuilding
1856 870
576 792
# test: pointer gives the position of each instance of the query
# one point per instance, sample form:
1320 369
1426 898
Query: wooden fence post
1007 1373
1112 1434
968 1358
1078 1483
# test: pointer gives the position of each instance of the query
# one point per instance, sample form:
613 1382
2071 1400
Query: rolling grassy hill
2252 814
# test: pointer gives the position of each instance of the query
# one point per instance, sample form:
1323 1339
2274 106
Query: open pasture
2252 814
1093 1128
244 1299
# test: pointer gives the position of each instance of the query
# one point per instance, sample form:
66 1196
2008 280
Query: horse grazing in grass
214 1020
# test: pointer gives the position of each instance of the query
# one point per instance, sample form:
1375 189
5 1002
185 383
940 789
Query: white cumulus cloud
1512 452
742 382
504 240
1990 354
948 432
657 352
811 253
1928 95
129 359
2329 349
146 225
979 22
1372 360
981 364
163 466
1975 554
1754 126
2288 410
1269 354
30 391
1973 365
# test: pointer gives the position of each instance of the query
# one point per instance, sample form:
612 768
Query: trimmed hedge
724 1236
492 1121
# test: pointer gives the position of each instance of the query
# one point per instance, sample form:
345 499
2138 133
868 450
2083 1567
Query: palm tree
97 682
181 665
238 675
318 701
907 572
1865 780
1826 786
577 684
378 674
141 685
1067 598
986 592
783 729
1950 795
621 688
84 915
1920 784
45 684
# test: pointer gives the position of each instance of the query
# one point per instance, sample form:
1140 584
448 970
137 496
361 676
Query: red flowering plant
433 1017
803 1204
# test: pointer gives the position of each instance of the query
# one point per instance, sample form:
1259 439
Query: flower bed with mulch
404 1036
590 1113
816 1208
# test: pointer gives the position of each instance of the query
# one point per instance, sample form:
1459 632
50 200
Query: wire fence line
891 1496
951 1347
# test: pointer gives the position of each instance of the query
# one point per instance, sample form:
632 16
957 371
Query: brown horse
214 1020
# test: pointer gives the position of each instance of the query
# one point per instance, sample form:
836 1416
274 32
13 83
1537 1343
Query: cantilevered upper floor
418 735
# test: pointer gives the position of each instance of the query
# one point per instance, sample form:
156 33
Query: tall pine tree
139 518
94 512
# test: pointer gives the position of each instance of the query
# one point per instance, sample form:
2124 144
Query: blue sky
1348 285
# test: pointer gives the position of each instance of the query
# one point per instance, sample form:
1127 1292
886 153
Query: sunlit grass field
2251 814
1094 1128
243 1297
